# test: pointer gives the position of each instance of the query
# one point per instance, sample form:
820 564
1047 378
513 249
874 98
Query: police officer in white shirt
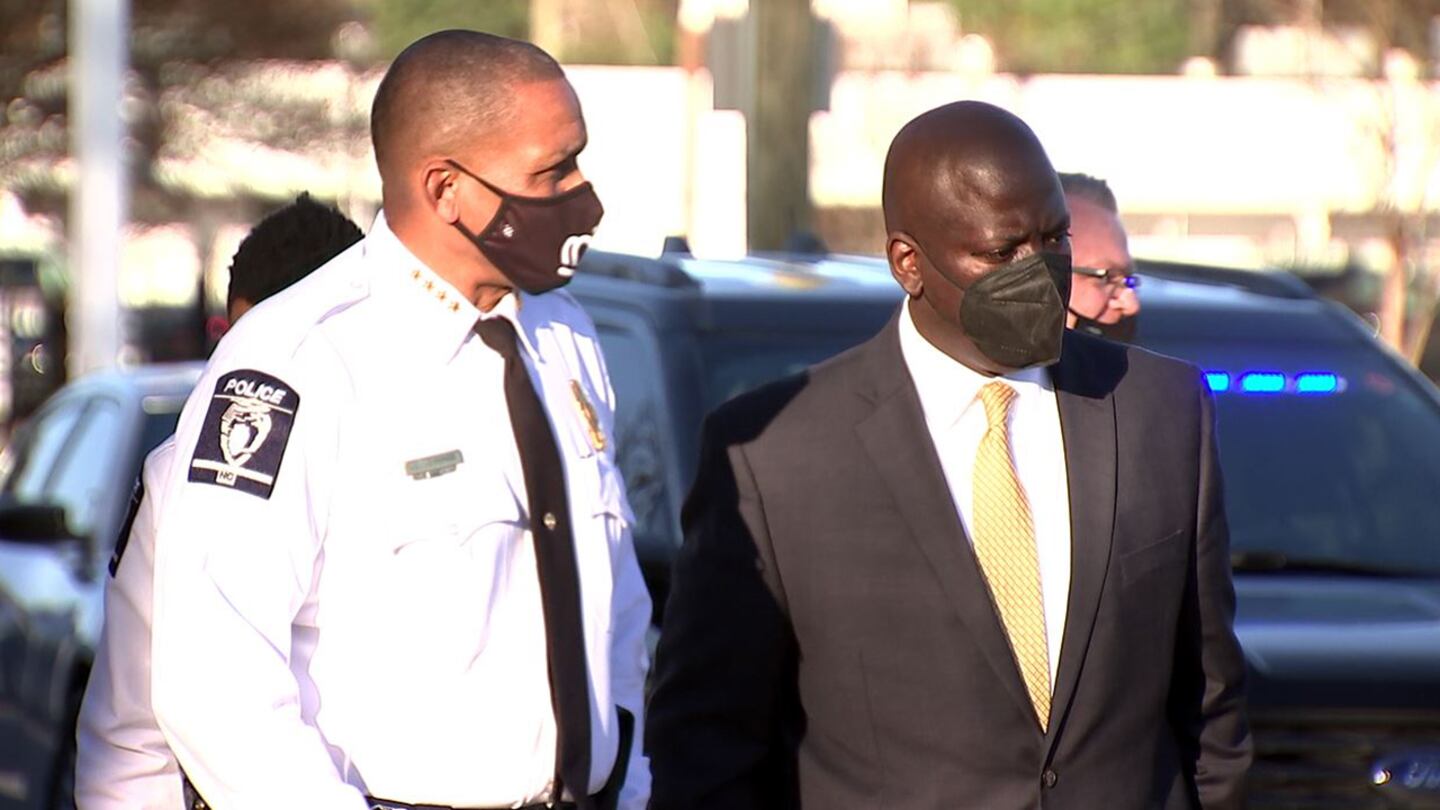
394 565
122 762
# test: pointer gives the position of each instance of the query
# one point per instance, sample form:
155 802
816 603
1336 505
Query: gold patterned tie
1005 545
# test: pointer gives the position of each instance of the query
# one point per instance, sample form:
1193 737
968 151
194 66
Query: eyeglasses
1113 278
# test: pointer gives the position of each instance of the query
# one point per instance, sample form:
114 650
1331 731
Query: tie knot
498 334
996 397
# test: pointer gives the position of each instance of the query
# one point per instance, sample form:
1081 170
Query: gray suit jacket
830 642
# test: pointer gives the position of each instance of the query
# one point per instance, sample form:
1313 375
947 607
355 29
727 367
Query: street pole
777 121
98 57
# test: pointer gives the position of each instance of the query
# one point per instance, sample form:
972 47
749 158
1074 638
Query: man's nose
571 181
1126 301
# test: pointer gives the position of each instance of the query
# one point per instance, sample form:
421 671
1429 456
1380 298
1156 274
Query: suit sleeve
718 722
235 564
1210 667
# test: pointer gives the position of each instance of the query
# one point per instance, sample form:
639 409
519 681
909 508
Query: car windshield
1343 476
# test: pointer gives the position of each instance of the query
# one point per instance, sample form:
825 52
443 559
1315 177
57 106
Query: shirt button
1048 779
549 521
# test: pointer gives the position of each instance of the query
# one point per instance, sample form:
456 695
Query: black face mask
1015 314
537 242
1122 330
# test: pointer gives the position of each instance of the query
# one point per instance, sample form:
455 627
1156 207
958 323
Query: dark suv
1331 453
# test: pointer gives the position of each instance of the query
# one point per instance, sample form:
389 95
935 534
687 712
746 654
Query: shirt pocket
452 548
611 498
455 507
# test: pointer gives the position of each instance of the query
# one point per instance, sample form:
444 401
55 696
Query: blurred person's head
978 236
477 137
283 248
1102 298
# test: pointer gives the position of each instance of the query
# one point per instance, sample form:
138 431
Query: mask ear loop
1095 317
495 221
921 254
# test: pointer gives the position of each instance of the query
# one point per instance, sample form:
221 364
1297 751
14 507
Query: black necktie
555 559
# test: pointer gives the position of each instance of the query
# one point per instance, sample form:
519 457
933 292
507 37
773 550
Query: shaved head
448 89
968 190
943 160
465 124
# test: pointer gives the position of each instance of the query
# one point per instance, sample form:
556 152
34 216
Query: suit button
1048 779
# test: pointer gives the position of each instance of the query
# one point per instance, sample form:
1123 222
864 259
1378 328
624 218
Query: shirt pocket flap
612 500
452 507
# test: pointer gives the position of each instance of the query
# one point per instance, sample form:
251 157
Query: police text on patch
246 429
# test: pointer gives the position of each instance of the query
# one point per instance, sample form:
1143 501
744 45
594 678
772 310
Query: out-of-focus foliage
621 32
1155 36
606 32
1081 36
1398 23
397 23
188 59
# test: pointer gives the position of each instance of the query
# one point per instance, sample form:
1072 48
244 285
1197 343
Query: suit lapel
1083 391
899 444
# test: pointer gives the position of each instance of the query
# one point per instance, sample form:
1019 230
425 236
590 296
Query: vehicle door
60 495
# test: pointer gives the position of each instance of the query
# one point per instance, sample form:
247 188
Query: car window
1349 475
92 467
29 460
158 426
738 362
641 427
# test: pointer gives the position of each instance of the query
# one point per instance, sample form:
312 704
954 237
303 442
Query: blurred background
139 140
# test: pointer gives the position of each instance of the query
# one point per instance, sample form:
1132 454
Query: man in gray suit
978 561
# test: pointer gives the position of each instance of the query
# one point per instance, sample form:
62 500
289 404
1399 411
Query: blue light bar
1218 380
1317 383
1262 382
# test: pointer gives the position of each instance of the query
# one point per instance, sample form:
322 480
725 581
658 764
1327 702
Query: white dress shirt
371 627
949 396
122 761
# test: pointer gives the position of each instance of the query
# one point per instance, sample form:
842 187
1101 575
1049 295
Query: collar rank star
246 429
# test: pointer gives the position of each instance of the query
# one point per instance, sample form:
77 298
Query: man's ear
904 259
441 190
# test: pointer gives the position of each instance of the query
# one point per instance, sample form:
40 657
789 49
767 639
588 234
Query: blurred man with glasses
1102 292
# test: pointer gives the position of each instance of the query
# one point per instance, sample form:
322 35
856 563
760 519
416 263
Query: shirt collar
947 387
429 308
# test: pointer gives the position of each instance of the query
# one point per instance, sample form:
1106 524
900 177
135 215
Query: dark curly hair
285 246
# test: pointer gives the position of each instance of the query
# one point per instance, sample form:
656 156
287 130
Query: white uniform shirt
949 396
374 625
122 761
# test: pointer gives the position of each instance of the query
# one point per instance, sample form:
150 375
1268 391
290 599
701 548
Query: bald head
968 191
447 90
944 160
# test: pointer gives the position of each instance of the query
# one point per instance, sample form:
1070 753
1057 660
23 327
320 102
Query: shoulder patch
246 429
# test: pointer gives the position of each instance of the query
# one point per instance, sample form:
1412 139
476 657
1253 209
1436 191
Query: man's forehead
998 199
1092 222
544 123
